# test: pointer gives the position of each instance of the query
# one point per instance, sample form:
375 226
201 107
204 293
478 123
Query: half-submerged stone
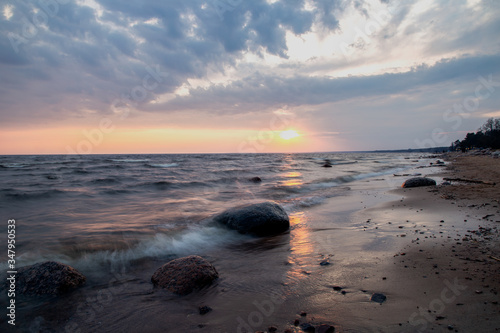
48 278
262 219
184 275
418 181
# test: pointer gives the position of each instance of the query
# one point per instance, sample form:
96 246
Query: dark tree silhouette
487 136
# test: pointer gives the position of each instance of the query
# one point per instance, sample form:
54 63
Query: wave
14 165
314 198
81 171
326 182
165 165
127 160
192 240
18 195
105 181
164 184
108 166
343 163
116 191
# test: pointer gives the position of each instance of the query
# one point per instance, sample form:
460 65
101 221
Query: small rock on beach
184 275
326 329
48 278
204 310
306 327
378 298
418 181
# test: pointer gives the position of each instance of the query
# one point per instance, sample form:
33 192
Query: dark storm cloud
103 51
275 91
80 57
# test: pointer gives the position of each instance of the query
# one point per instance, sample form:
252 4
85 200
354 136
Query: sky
229 76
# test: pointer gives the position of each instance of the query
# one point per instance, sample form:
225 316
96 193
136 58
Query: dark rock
272 329
49 277
418 181
303 313
255 179
326 329
379 298
183 275
262 219
327 164
325 262
296 322
306 327
337 288
204 310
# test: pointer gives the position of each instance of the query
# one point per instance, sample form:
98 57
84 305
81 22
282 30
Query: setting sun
289 134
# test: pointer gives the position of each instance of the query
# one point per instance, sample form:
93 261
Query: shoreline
371 236
443 278
434 256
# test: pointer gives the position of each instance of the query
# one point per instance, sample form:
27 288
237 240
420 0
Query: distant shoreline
435 150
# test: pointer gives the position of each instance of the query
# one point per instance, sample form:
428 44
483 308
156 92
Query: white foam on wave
194 240
14 165
190 241
129 160
166 165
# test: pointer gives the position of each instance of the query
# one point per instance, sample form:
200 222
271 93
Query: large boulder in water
262 219
418 181
49 277
183 275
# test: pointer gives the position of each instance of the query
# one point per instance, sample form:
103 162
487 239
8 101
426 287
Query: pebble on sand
378 298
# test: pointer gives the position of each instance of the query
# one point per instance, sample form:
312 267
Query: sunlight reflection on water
301 245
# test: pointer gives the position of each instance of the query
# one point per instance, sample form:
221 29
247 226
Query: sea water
116 218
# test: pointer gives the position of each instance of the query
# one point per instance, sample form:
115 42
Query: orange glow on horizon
110 139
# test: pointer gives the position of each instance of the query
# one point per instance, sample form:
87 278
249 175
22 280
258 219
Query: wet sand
432 251
443 273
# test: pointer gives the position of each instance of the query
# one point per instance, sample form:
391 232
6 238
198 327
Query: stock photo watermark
40 17
364 35
11 273
460 111
223 6
437 306
87 310
264 309
258 143
121 107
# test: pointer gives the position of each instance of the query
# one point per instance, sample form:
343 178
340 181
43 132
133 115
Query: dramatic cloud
275 91
68 62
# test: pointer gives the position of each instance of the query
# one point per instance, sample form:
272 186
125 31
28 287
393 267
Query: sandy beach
432 251
442 274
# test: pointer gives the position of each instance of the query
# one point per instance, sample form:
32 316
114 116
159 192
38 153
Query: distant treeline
487 136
